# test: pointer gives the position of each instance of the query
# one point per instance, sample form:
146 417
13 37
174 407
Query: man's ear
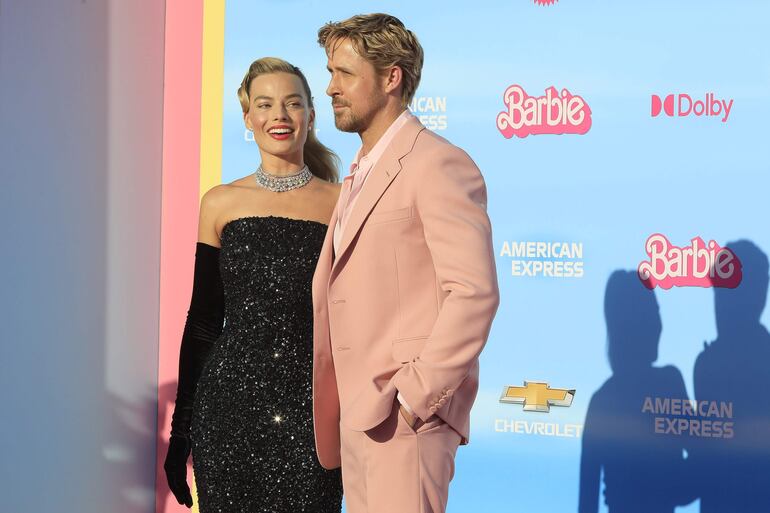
247 121
394 79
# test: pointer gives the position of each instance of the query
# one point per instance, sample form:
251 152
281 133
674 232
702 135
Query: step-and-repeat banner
624 147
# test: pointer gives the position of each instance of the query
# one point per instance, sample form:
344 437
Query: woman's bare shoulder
244 181
330 188
222 194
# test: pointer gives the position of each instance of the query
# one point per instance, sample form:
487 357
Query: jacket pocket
405 350
390 216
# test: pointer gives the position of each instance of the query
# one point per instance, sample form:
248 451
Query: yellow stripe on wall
212 88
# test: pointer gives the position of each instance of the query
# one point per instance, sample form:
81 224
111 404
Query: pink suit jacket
407 304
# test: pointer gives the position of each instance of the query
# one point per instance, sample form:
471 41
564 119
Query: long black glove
203 327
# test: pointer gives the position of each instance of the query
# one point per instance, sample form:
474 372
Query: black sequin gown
252 425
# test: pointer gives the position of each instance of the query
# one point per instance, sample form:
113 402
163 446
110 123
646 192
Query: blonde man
405 288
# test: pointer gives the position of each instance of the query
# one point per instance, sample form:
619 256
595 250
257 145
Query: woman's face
279 114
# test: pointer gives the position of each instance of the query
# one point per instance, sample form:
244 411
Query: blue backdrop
644 166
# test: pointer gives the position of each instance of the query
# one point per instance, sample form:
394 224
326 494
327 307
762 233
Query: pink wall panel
181 164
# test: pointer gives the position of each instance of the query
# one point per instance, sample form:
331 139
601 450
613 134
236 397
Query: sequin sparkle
252 427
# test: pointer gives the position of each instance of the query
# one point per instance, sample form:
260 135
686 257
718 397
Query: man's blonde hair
382 40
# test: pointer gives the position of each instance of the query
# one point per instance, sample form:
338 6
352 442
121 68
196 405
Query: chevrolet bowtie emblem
537 396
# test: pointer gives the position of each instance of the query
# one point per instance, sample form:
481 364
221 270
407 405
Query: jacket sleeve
451 203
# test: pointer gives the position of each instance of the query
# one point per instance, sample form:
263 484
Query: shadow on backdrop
735 472
643 471
125 462
166 397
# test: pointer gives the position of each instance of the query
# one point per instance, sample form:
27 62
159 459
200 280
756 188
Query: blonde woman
243 402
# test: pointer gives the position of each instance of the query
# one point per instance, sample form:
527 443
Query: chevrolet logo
537 396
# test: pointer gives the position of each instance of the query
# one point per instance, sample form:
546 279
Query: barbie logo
696 265
548 114
545 2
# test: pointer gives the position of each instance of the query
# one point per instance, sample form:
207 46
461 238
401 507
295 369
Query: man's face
356 89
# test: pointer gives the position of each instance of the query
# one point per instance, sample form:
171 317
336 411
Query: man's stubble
348 121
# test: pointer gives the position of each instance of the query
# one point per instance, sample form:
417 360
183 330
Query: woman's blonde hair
321 161
382 40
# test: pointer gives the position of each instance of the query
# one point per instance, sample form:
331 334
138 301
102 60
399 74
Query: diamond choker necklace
282 183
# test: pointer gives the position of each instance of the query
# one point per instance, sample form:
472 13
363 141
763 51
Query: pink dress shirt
359 171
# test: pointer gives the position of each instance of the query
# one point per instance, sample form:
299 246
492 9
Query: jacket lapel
383 173
325 259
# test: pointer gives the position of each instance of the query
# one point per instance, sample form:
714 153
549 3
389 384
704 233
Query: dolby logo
683 105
